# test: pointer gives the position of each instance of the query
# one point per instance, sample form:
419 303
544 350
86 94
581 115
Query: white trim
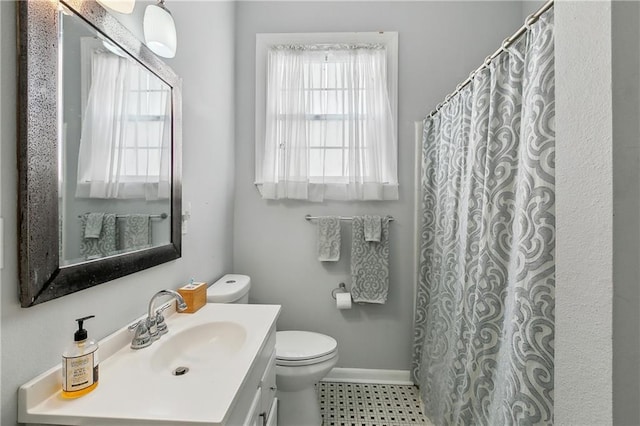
1 243
364 375
417 202
585 203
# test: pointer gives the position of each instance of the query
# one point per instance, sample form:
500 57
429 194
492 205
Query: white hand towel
372 228
328 238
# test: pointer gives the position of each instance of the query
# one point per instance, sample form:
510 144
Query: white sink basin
219 344
199 348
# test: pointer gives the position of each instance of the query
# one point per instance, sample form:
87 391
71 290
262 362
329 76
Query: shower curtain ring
531 19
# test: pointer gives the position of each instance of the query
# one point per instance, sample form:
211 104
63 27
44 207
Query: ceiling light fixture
122 6
160 30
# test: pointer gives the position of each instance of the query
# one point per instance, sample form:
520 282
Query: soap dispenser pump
80 364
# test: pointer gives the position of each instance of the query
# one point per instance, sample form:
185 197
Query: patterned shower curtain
484 332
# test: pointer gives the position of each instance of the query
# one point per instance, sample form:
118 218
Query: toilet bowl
302 359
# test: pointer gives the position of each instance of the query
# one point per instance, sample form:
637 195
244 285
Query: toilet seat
297 348
304 362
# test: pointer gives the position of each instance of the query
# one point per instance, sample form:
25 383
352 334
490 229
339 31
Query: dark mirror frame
41 276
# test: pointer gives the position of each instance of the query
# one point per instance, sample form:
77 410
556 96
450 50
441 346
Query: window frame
265 40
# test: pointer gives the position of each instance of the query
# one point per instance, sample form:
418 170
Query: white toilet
302 358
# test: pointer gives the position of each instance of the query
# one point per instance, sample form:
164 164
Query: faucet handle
163 307
142 337
135 325
161 325
153 328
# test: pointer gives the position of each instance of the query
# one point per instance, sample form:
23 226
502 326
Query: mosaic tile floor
359 404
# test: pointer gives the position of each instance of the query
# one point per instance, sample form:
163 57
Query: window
326 116
126 131
146 119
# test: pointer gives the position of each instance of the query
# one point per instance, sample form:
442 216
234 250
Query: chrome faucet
155 318
151 328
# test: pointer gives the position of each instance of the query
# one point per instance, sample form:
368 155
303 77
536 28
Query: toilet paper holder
341 288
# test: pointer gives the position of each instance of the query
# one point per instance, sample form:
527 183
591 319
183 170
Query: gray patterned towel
328 238
93 225
135 231
372 228
369 264
105 244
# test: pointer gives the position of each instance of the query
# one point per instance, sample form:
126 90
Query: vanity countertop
136 387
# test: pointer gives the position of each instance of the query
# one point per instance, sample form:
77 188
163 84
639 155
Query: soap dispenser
80 364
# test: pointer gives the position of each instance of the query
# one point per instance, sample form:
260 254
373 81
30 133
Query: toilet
303 358
231 288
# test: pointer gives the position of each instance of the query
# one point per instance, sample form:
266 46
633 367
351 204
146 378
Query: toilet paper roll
343 300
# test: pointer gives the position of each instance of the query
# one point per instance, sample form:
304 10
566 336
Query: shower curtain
484 330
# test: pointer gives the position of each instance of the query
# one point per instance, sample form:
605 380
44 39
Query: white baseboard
363 375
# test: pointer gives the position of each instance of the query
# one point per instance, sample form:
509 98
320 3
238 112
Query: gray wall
529 7
440 43
33 338
626 211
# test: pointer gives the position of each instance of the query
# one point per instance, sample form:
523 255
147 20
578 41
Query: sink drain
180 371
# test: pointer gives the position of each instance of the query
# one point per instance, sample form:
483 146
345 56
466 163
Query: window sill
318 192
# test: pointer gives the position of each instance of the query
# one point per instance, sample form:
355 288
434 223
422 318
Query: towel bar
309 218
151 216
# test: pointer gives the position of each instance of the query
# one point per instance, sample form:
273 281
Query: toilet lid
299 345
229 288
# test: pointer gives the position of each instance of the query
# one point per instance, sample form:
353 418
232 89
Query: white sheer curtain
329 127
126 133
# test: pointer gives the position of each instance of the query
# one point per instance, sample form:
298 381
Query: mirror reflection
114 181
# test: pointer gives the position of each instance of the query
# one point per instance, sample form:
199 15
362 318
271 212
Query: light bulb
160 30
122 6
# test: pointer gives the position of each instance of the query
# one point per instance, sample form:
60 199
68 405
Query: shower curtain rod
531 19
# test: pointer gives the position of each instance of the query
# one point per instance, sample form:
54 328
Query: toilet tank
232 288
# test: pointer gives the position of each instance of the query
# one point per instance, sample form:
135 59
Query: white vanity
228 349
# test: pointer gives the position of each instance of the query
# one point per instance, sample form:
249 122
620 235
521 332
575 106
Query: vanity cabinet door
272 420
268 385
253 415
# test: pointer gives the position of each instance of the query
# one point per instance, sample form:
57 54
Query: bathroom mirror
99 151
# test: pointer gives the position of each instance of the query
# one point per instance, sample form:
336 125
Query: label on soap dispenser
79 372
